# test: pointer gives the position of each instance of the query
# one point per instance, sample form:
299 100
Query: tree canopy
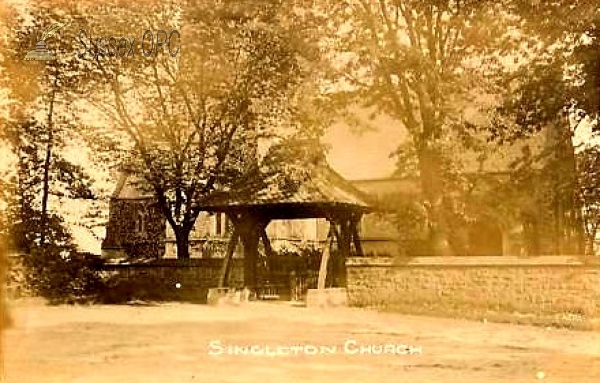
191 119
422 63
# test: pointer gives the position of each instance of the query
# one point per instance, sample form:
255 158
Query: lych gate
321 193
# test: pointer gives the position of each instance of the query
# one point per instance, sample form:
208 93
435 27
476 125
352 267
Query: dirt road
266 342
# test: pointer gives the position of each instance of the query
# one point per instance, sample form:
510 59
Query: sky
364 155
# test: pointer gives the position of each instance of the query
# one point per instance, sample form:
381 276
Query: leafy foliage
410 219
185 125
194 121
28 142
569 31
53 269
63 274
588 162
421 63
556 91
40 120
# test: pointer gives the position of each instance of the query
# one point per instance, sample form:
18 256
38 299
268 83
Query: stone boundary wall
473 286
170 278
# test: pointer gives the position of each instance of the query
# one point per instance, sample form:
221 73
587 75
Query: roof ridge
123 176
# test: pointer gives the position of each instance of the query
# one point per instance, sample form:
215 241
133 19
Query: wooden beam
266 241
226 267
354 233
343 253
333 263
325 259
333 227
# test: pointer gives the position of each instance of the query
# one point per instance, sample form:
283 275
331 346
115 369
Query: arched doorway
485 238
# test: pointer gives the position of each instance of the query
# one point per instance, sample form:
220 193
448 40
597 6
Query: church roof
129 188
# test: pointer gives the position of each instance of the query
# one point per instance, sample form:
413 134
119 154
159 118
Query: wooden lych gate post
249 229
344 229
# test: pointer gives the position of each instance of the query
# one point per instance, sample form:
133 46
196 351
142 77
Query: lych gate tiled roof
292 181
319 186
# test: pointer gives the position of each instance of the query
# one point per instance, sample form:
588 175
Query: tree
38 123
30 224
558 90
53 267
194 120
40 94
589 181
420 62
568 34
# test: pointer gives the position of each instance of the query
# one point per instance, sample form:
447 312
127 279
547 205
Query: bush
62 274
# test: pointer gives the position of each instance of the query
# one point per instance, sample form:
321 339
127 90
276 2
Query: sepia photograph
299 191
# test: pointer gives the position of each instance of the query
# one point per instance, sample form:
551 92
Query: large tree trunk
182 238
432 192
46 191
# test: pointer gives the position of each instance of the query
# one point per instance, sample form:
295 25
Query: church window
141 222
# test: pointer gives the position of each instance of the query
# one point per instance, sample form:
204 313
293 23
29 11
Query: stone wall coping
179 263
474 261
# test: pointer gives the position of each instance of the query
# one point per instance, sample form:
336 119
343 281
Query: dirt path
191 343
